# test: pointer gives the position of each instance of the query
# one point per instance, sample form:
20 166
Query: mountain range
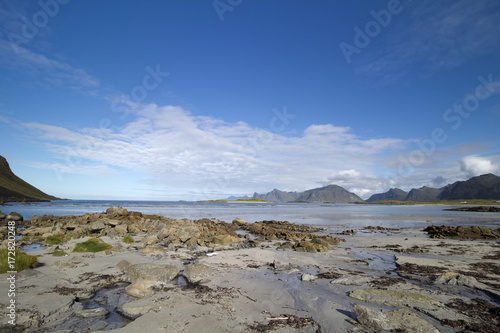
330 193
14 189
486 187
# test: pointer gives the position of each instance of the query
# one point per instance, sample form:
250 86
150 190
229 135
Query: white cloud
179 150
476 165
171 149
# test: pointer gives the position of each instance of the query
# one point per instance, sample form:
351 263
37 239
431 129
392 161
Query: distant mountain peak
393 194
328 193
485 187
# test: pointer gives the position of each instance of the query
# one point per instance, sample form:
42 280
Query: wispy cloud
432 35
46 70
174 148
171 149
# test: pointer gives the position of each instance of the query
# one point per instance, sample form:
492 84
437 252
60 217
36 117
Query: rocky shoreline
180 275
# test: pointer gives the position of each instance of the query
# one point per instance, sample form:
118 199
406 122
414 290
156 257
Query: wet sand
261 289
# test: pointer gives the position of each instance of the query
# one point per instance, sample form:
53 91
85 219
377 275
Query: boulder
137 308
239 221
285 246
123 264
456 279
146 276
116 212
150 240
13 216
152 272
154 250
225 239
121 228
306 246
112 223
97 226
140 287
197 272
401 320
132 228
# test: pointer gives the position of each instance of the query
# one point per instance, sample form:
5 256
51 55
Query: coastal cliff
14 189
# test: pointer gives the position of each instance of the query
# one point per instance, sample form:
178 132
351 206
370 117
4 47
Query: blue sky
193 100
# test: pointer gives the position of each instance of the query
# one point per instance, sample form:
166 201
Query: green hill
13 188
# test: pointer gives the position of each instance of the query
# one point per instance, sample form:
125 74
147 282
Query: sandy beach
374 280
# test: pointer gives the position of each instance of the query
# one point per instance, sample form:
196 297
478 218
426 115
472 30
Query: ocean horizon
332 216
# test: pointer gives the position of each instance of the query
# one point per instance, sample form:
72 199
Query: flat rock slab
151 272
403 320
393 297
197 272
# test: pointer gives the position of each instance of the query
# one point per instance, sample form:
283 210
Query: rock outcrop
462 232
158 234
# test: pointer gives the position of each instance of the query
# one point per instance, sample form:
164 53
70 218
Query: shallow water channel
110 299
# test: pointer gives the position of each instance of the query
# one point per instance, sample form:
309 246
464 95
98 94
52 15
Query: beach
180 275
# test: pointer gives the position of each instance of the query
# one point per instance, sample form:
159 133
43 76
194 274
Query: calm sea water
332 216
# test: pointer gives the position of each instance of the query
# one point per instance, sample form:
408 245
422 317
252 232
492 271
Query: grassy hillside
13 188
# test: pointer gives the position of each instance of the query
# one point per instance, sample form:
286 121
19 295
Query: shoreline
243 285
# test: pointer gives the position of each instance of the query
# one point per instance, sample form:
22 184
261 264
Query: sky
196 100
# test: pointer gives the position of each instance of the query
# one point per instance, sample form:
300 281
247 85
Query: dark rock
476 209
462 232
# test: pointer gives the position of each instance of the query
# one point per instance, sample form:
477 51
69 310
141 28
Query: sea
334 217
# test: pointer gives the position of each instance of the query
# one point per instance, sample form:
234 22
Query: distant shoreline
239 201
